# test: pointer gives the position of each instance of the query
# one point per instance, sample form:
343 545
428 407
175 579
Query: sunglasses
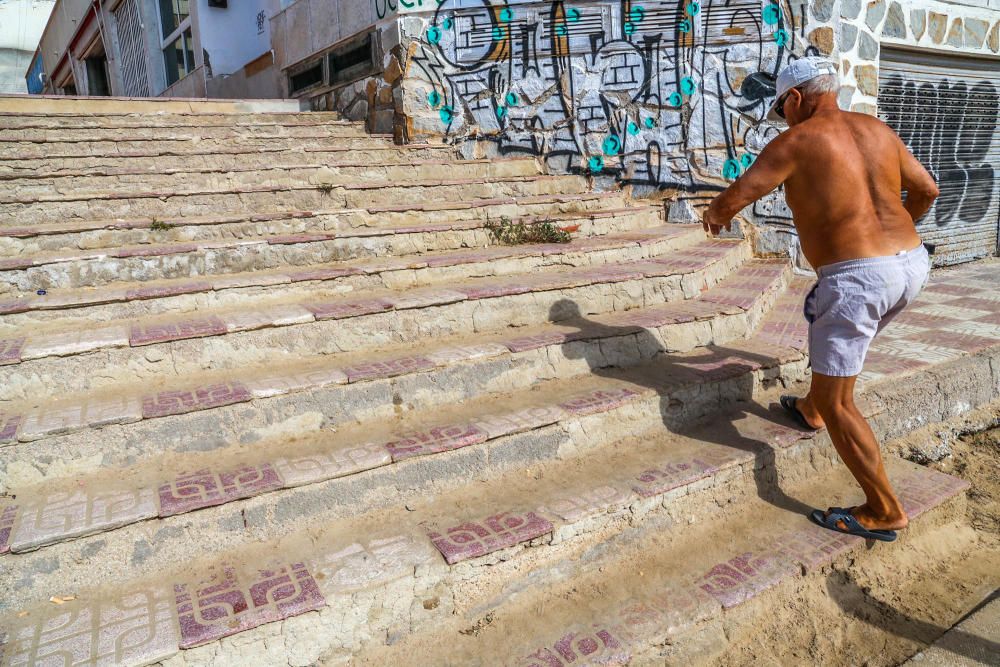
779 108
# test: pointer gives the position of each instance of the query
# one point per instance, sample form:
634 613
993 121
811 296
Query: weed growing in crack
507 232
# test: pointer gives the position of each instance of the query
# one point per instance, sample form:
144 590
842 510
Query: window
305 77
179 58
178 41
173 13
353 60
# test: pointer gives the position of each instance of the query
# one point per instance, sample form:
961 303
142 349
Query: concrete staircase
270 395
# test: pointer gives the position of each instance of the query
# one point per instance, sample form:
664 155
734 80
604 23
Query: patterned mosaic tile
491 290
75 342
372 562
278 382
156 251
813 546
226 602
677 471
536 341
925 320
954 340
601 400
572 507
9 426
164 291
743 577
478 538
388 368
342 308
425 298
507 423
457 353
205 488
593 645
8 514
167 403
914 350
272 316
665 609
920 489
60 516
435 440
66 418
150 334
135 629
300 470
10 350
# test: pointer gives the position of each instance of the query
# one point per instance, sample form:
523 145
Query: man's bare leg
833 399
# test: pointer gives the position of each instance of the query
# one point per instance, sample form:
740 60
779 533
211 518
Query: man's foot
872 521
841 520
803 412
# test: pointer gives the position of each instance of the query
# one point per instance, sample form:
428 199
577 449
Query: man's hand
713 224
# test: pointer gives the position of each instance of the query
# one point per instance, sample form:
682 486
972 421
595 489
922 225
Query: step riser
56 376
94 310
303 198
21 150
295 176
262 256
135 135
349 221
285 512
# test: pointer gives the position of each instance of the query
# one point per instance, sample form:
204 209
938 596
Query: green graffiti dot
447 114
746 160
693 8
629 27
637 14
633 129
650 123
573 14
596 163
781 37
612 145
512 99
688 85
772 14
434 99
498 33
731 169
561 29
501 112
675 99
684 26
447 23
434 34
506 15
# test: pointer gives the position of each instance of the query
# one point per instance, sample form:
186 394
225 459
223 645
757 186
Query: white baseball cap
796 73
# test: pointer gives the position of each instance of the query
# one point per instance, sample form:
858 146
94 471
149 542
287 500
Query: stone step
65 106
157 133
124 181
219 158
306 262
194 200
29 121
16 151
58 359
414 562
102 428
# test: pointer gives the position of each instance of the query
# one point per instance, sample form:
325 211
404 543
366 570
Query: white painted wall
233 37
21 26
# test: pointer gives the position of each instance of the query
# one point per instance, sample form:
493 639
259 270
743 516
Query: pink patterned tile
342 308
9 425
953 340
198 327
536 341
786 334
163 291
683 470
290 239
813 546
925 320
593 645
478 538
204 488
319 466
454 354
10 350
580 504
993 318
16 264
166 403
601 400
764 430
528 419
494 290
226 602
435 440
278 382
670 608
388 368
890 364
743 577
921 489
945 288
302 275
7 516
744 299
713 370
151 251
425 298
14 307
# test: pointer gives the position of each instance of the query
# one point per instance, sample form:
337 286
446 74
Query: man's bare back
843 175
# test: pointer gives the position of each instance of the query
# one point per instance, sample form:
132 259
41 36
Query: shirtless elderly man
843 175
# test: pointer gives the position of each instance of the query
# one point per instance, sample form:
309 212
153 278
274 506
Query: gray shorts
852 301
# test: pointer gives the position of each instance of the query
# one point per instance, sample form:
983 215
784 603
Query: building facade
148 48
21 25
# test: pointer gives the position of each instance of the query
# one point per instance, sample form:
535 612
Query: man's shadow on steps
672 377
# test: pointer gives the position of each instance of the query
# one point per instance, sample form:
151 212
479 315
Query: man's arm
921 190
774 164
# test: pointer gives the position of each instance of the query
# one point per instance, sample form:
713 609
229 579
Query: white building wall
234 36
21 26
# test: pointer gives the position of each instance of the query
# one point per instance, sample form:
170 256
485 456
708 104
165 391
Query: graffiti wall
658 95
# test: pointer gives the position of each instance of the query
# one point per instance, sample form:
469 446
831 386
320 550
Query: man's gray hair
827 83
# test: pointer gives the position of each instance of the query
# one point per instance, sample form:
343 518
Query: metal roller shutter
946 110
